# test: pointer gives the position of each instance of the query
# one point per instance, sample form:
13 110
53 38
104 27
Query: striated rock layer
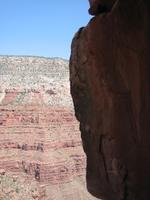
110 85
39 135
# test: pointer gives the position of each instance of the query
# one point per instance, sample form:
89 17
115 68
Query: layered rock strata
110 85
39 135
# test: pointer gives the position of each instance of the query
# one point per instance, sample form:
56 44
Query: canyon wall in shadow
110 86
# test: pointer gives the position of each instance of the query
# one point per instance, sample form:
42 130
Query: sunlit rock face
110 86
39 135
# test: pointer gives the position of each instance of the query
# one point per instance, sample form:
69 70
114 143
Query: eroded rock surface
39 135
110 86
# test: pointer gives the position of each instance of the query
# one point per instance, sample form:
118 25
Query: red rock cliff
110 86
39 136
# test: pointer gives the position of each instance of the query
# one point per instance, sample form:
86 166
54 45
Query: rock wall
110 86
39 135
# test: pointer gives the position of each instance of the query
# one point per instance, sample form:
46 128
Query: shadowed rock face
110 86
100 6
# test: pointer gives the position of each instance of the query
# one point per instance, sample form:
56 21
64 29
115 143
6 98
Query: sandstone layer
110 86
39 135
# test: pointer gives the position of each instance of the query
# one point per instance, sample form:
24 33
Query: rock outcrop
39 135
100 6
110 86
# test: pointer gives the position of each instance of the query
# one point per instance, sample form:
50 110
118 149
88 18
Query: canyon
40 144
110 86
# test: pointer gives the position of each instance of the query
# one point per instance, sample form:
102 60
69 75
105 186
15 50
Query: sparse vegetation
13 188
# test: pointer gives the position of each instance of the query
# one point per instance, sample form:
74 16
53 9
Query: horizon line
36 56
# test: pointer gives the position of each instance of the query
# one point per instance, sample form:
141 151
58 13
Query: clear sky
40 27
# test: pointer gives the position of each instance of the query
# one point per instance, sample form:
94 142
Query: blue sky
40 27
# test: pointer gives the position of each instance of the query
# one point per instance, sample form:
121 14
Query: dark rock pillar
110 86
